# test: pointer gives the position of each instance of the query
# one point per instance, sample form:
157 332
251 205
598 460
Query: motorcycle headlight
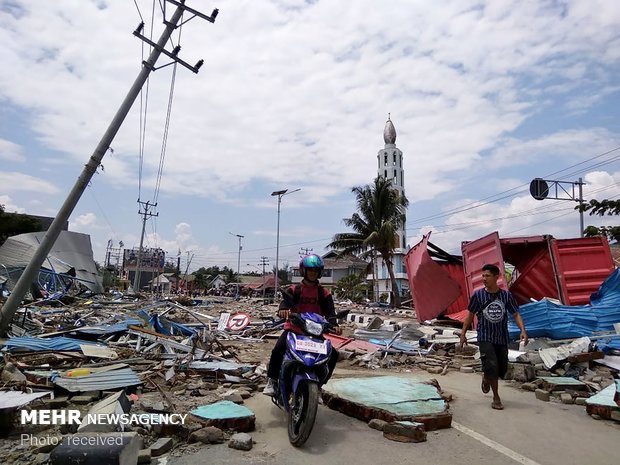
316 329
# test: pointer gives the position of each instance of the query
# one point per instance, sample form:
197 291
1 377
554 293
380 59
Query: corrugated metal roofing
15 399
102 381
547 319
432 289
29 343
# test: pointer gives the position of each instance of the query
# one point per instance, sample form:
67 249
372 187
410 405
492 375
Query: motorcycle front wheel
302 413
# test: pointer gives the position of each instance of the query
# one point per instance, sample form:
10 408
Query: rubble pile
201 362
149 359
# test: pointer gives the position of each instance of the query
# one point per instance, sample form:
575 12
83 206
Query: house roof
266 281
335 262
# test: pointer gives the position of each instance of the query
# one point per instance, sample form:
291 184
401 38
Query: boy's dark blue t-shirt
492 311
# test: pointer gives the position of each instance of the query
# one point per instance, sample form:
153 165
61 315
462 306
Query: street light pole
239 236
280 194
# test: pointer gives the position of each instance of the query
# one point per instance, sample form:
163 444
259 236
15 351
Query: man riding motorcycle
308 296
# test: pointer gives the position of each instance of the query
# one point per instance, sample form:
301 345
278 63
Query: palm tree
380 213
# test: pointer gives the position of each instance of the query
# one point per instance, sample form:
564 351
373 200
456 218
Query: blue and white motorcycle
303 371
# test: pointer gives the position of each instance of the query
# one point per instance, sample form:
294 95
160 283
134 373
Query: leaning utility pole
31 270
145 214
264 261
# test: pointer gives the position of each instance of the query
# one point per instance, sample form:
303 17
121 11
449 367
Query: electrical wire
481 202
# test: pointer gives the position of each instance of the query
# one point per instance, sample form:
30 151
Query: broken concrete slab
11 374
405 431
98 449
389 398
161 446
114 404
226 415
377 424
603 403
561 383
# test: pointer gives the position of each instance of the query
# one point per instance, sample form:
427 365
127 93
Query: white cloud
10 151
9 206
15 182
296 94
82 221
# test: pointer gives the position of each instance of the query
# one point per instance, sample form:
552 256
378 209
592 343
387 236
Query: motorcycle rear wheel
302 413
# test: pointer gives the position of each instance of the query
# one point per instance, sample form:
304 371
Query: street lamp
239 236
280 194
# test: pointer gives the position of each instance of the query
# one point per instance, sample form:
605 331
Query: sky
484 96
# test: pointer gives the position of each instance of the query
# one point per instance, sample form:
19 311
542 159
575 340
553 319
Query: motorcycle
304 370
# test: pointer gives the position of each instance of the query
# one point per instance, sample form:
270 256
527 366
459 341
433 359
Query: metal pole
275 292
31 270
238 264
581 226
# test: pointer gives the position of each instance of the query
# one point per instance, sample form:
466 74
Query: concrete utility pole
31 270
303 251
239 236
145 214
279 194
264 261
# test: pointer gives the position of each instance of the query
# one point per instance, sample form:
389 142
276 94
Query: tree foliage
12 224
602 208
353 287
380 214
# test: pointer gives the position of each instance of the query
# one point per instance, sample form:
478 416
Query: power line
481 202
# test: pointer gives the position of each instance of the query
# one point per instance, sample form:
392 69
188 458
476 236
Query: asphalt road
527 431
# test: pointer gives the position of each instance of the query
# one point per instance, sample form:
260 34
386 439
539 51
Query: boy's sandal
485 387
497 406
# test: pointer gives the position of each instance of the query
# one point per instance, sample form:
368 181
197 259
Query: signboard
223 323
238 321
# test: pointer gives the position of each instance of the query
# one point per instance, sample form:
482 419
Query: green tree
380 213
352 287
201 277
12 224
602 208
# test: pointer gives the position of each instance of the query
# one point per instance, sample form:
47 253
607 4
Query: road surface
527 431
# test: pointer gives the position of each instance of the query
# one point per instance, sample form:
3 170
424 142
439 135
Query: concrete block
567 398
117 403
98 449
51 404
11 374
241 441
207 435
161 446
82 400
377 424
466 369
543 395
374 323
405 431
580 400
529 387
233 397
144 456
434 370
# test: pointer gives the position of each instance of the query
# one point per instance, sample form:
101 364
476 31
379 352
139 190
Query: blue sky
484 96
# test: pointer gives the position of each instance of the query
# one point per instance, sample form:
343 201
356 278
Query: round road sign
238 321
539 189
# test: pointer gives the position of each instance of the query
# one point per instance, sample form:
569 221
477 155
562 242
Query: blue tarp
36 344
546 319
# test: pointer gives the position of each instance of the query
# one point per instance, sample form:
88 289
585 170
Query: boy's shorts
494 358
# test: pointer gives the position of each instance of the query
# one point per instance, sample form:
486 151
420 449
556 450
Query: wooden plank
586 357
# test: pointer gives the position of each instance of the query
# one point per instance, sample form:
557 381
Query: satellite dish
539 189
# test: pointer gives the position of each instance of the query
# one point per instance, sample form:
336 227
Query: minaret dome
389 133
